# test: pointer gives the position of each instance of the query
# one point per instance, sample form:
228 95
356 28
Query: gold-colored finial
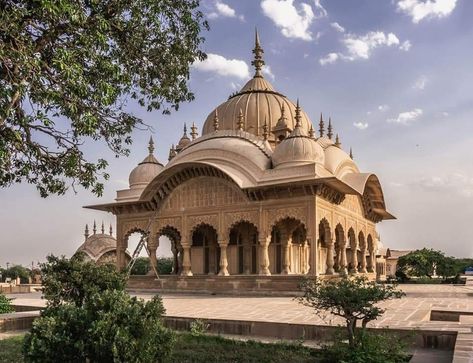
151 145
216 125
194 132
298 114
258 61
240 122
265 129
330 129
321 126
337 141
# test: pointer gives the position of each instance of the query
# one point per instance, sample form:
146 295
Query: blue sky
395 76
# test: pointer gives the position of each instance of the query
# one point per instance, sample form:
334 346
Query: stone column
264 255
343 258
286 257
354 258
363 259
371 262
121 257
186 259
174 258
153 260
329 262
223 258
305 258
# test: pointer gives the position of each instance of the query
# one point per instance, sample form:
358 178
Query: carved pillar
153 260
371 261
330 247
286 257
305 258
175 262
354 258
223 258
343 258
264 255
186 259
180 258
363 259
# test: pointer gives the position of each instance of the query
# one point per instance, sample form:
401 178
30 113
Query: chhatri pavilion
255 200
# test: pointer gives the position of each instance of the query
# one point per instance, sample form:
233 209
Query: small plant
5 304
199 327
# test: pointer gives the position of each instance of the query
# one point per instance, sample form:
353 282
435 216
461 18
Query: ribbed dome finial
151 145
172 152
240 122
337 141
330 129
298 114
86 232
111 230
351 153
311 132
95 227
258 61
194 132
321 126
185 130
103 228
265 129
216 125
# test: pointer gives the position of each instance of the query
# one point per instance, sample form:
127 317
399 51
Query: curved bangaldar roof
259 104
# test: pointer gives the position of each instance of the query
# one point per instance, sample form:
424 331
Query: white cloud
361 125
405 118
235 86
224 10
361 46
425 9
268 72
383 108
329 59
337 27
293 21
405 46
224 67
445 114
420 83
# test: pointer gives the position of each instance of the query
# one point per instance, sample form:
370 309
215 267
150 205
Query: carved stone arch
370 243
193 222
231 219
274 216
352 240
171 232
325 234
362 240
340 233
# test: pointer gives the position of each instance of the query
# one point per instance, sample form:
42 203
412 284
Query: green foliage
5 304
371 348
17 271
73 280
141 266
198 327
165 265
90 316
68 69
10 350
101 331
353 299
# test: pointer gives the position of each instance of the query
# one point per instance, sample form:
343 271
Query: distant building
391 260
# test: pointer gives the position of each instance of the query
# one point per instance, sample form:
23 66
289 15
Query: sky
395 76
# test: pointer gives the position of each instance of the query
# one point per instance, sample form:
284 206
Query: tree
17 271
421 262
5 304
141 267
67 71
89 317
352 299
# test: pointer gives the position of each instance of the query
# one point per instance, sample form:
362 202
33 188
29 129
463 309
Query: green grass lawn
204 348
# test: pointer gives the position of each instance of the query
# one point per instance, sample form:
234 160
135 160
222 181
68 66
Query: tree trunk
351 326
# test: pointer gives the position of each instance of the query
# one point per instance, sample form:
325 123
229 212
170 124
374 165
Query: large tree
67 70
422 262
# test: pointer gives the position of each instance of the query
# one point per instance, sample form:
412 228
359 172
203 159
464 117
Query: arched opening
169 251
340 250
352 252
242 252
205 254
326 256
288 249
142 265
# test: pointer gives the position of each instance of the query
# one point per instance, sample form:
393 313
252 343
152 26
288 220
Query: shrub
89 317
5 304
198 327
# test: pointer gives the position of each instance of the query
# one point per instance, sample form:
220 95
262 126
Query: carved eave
124 207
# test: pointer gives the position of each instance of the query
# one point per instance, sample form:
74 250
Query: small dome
338 162
145 171
325 142
297 149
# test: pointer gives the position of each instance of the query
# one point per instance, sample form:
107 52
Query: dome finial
265 129
185 130
103 228
330 129
151 145
321 126
95 228
172 152
240 122
298 114
111 230
86 232
258 61
311 131
337 141
351 153
194 132
216 125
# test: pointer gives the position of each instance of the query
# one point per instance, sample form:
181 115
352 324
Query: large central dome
259 103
